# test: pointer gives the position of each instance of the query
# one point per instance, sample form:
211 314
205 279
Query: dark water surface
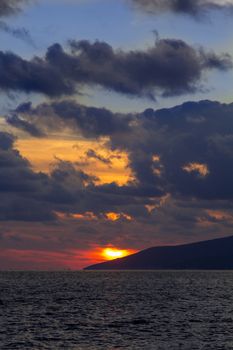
116 310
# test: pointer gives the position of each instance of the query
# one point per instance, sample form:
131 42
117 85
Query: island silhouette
216 254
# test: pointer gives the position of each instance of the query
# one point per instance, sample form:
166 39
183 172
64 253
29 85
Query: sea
106 310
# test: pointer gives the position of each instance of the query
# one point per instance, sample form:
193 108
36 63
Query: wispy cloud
18 33
191 7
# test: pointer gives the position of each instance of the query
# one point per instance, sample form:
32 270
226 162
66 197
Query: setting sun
113 253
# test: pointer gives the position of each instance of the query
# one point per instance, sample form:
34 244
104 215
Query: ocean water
116 310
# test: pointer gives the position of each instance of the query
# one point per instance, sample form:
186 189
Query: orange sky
42 154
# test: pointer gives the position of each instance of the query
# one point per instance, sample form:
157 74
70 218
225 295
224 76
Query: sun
114 253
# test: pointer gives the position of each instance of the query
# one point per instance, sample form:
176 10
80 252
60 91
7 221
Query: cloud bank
170 67
185 150
181 159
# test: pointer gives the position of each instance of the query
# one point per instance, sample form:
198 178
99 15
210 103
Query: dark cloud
191 7
31 196
92 154
181 159
27 195
185 150
6 140
91 121
194 147
9 7
21 124
31 76
170 67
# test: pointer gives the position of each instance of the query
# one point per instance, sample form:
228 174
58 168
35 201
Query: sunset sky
116 128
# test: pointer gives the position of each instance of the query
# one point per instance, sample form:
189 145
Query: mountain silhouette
216 254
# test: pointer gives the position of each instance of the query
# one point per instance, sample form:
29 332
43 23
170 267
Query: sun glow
113 253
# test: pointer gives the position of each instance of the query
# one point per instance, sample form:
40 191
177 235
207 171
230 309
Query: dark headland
214 254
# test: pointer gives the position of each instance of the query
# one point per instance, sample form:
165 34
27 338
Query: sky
116 128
